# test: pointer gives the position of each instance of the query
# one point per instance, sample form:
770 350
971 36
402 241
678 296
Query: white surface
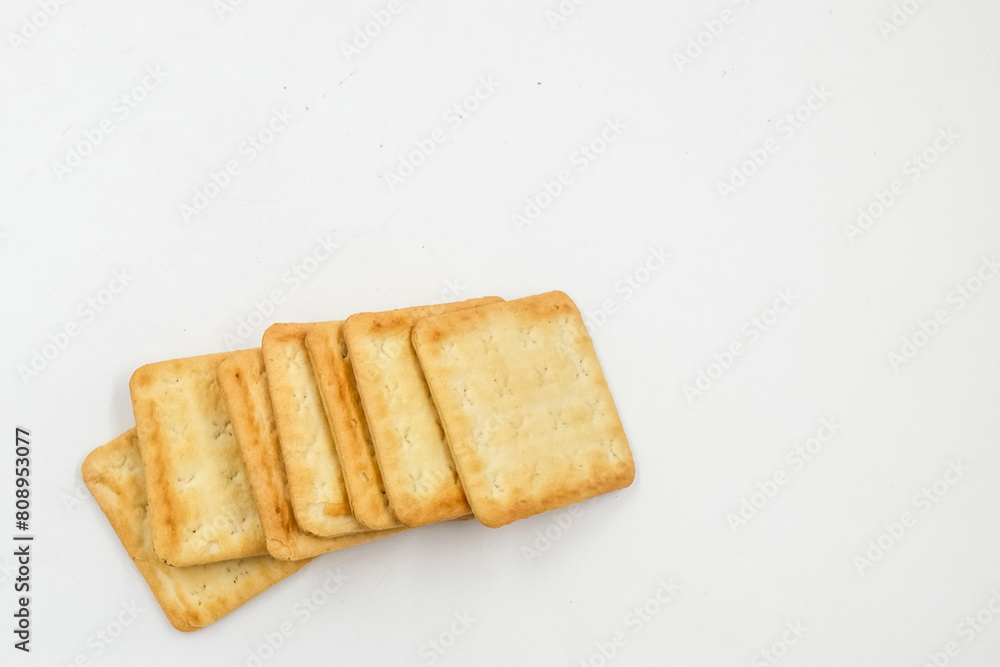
884 100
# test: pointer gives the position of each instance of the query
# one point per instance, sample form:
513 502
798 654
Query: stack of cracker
243 466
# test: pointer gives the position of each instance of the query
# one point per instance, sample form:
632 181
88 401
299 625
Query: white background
686 125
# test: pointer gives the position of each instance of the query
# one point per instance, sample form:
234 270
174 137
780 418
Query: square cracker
191 597
315 478
244 386
417 469
529 417
339 391
199 499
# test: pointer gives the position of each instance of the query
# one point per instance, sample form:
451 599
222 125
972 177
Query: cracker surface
417 468
338 389
529 418
243 379
315 477
201 509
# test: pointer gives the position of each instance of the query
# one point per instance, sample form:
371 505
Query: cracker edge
289 541
369 501
281 333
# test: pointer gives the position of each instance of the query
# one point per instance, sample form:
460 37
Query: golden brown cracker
200 505
335 376
529 418
417 468
244 385
315 478
191 597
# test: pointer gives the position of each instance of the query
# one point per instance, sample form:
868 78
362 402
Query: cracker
199 499
244 385
191 597
529 417
417 469
315 478
339 391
